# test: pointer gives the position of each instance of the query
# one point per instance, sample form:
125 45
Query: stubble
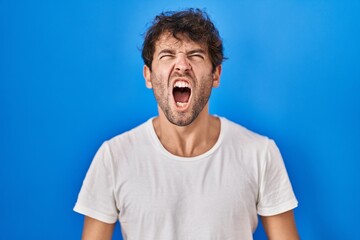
200 96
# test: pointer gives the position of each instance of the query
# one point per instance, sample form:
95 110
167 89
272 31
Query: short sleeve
275 191
96 198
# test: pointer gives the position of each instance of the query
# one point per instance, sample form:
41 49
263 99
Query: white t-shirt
157 195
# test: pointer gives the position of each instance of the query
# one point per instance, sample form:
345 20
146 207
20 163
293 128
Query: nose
182 64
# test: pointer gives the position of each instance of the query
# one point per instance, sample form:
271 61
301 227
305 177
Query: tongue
181 94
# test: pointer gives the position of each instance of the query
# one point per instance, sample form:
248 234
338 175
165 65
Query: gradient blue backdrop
71 77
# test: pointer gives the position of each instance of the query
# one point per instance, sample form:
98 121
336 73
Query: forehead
181 42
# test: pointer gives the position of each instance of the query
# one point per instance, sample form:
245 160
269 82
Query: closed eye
165 56
196 56
166 53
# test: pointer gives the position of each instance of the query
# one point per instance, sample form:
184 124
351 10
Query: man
186 174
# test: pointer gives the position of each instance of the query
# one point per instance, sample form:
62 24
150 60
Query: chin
181 121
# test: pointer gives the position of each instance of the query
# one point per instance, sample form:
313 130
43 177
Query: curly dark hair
193 23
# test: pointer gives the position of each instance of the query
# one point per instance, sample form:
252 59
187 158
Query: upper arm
281 226
97 230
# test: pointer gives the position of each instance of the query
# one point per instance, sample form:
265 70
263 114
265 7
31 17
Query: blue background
71 77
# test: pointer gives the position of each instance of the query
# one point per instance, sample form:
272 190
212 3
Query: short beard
182 119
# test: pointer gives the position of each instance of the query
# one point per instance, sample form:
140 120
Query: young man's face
182 77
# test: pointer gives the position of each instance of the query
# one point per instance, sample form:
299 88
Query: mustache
186 75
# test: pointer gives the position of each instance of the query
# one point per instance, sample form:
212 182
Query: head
183 53
193 24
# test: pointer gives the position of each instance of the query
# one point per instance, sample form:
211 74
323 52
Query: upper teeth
181 84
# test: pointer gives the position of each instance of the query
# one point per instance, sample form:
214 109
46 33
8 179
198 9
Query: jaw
181 119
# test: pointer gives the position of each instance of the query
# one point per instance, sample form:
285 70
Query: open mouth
181 93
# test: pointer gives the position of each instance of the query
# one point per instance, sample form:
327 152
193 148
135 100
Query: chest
159 190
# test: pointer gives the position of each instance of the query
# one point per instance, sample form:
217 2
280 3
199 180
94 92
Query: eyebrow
169 51
166 51
198 50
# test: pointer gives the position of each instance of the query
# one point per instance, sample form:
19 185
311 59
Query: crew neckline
158 145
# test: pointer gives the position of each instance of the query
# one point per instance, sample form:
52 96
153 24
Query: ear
216 76
147 76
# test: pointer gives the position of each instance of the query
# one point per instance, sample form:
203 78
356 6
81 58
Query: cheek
159 79
162 69
159 85
203 71
206 85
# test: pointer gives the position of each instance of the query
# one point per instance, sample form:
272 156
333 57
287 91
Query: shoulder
129 142
235 133
132 136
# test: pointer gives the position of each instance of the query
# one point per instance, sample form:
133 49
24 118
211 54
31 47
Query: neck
188 141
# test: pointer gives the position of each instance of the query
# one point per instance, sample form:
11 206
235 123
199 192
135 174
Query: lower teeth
180 104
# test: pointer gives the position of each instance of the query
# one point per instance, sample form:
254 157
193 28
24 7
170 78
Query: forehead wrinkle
167 40
167 43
